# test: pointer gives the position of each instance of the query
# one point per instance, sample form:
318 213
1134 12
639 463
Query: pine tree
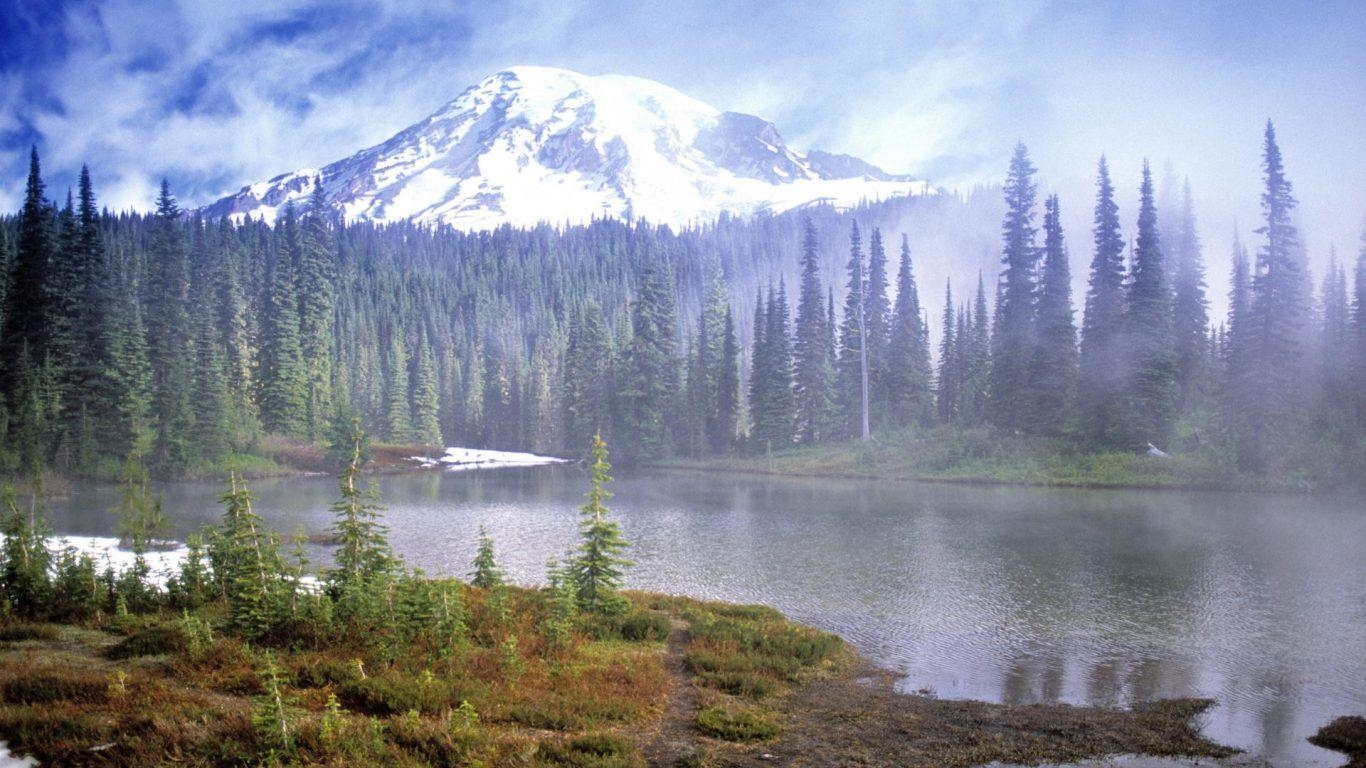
1334 409
652 381
364 560
908 370
426 406
1359 331
851 366
26 311
563 598
1055 361
168 339
1012 351
813 375
1239 363
281 377
1190 307
772 403
727 390
398 415
317 299
1102 369
1150 404
210 387
948 383
95 396
128 377
975 364
877 321
597 570
760 377
24 581
245 558
1278 310
487 574
587 391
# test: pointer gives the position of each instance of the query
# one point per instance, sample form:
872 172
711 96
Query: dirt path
674 736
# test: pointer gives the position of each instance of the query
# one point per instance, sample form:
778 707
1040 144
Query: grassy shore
974 456
673 682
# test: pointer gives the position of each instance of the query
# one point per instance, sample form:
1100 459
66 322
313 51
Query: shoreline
710 702
982 481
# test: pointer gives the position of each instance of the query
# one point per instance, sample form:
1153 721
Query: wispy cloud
215 95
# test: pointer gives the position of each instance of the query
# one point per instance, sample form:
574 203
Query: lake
999 593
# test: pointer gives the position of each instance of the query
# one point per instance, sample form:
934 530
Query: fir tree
1190 307
426 405
1358 354
168 334
877 321
948 383
317 298
364 560
1102 369
281 378
24 581
851 369
772 404
1013 340
1150 405
597 569
245 557
1239 367
26 308
727 390
398 415
813 376
1277 312
587 391
908 371
1055 362
652 381
486 574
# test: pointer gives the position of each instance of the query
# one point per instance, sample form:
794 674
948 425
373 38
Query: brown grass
730 684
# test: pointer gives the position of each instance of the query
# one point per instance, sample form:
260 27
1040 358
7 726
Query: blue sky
216 94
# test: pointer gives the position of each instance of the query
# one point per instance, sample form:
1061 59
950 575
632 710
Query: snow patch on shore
460 459
163 562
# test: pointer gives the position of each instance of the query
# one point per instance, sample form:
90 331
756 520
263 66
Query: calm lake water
1005 594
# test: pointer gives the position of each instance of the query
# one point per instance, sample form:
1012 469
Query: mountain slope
533 144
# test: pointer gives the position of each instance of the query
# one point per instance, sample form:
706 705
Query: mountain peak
529 144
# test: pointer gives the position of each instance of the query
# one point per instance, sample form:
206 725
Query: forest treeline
185 340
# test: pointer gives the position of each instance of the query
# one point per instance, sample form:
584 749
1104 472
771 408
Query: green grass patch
15 633
155 640
741 726
591 751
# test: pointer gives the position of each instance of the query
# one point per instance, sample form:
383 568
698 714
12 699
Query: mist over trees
184 340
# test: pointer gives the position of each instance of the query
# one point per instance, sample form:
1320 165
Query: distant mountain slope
533 144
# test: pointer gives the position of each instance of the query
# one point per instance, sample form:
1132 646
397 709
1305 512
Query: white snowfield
163 562
536 144
476 458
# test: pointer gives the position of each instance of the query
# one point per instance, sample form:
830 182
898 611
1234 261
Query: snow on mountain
533 144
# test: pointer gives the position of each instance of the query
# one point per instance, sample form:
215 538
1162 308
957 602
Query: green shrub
750 686
551 717
320 673
642 626
53 685
150 641
742 726
394 694
591 751
13 633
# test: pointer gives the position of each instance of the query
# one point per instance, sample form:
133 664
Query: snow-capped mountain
533 144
